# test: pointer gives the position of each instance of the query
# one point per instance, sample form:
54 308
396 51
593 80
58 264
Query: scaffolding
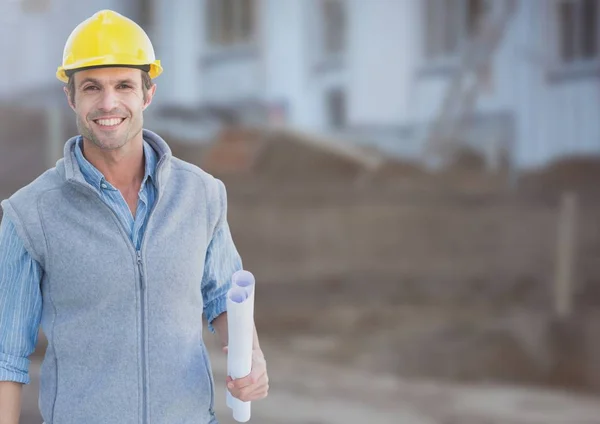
443 135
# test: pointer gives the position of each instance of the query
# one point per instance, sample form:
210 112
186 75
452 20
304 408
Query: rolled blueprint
240 322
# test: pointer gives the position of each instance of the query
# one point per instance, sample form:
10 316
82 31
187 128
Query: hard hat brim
154 69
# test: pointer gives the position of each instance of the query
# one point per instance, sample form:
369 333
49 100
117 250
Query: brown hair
146 85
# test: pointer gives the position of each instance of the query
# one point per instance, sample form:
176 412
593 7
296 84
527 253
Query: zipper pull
138 254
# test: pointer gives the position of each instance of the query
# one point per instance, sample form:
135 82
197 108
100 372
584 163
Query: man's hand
254 386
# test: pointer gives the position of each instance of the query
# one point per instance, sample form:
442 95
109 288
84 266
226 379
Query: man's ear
68 94
149 96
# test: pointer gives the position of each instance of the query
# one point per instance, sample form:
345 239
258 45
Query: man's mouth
109 123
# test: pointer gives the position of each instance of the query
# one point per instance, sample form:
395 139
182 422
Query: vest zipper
142 296
138 254
142 334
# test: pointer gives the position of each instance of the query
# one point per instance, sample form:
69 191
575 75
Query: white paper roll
240 321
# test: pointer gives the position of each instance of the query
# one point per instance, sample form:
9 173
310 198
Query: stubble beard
108 142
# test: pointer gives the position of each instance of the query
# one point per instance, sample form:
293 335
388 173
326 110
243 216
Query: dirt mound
576 173
286 156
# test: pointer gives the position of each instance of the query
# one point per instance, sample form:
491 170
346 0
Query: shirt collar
97 180
151 160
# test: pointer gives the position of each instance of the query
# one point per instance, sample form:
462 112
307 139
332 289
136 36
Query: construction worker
117 252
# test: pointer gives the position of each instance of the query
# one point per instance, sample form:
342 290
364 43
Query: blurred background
414 184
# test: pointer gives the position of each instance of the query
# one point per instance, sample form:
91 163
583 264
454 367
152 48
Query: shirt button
104 186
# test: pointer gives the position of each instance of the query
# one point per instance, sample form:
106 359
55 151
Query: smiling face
109 104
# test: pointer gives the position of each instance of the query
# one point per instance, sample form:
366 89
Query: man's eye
90 88
124 86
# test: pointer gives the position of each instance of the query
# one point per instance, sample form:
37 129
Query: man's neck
123 167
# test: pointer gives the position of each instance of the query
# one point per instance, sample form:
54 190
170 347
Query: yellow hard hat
108 39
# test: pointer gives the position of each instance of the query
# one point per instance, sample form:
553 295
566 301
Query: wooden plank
566 246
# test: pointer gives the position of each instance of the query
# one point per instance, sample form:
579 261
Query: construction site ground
308 391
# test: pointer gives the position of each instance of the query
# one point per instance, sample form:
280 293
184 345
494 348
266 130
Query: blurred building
519 81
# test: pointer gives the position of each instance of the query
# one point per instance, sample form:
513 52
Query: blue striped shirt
20 274
113 198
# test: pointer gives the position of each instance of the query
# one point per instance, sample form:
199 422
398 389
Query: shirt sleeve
222 261
20 305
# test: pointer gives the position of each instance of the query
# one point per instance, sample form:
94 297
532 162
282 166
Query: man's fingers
255 385
260 393
259 389
252 378
250 382
243 382
256 391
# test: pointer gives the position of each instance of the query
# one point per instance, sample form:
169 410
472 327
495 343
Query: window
336 108
231 22
578 30
450 23
35 6
333 14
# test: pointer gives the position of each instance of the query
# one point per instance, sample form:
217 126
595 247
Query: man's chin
108 144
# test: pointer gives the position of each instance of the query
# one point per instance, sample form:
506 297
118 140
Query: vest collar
68 166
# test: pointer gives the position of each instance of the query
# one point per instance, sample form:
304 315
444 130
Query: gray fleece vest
124 327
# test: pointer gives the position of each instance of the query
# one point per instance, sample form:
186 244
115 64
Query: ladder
459 101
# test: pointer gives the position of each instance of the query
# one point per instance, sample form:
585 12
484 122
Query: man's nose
108 101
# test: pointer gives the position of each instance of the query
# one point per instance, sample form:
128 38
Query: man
117 252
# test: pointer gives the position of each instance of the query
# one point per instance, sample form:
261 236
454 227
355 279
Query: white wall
555 118
286 58
383 58
197 73
528 88
230 74
30 50
33 43
375 71
382 71
568 109
388 84
178 43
